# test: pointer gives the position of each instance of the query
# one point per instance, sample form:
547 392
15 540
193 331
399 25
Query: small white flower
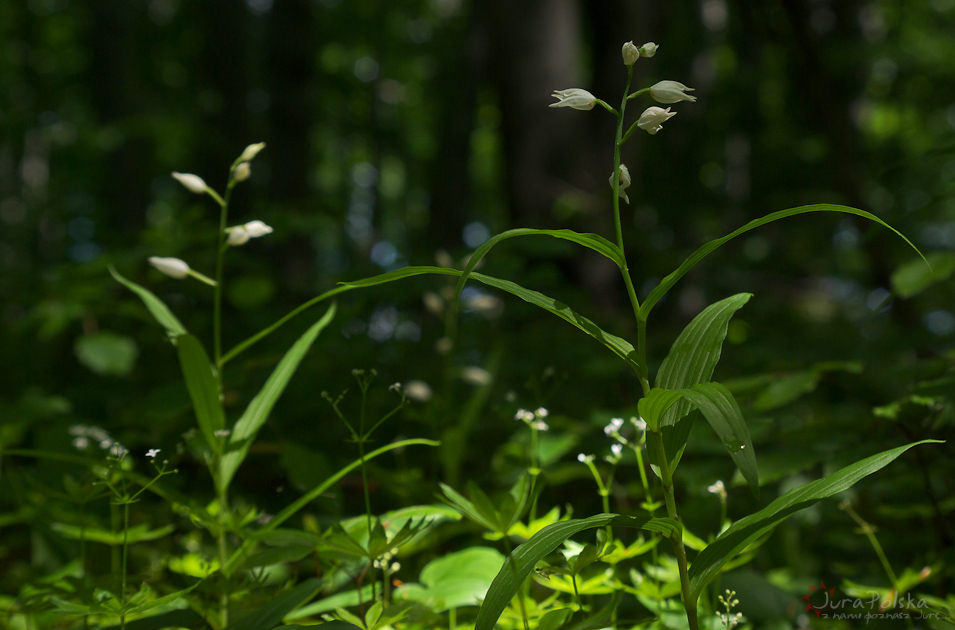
616 449
395 387
106 443
242 172
630 54
476 376
540 412
575 98
623 182
717 488
172 267
640 424
583 459
648 50
117 450
524 415
540 425
151 453
671 92
418 391
81 443
251 151
652 119
193 183
614 427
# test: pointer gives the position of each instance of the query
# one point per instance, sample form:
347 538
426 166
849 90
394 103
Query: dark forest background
408 131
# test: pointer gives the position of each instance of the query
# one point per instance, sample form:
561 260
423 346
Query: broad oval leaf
522 561
667 283
719 407
691 361
245 429
154 305
744 531
203 388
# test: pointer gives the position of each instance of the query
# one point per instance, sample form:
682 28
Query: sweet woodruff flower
648 50
193 183
652 119
251 151
172 267
240 234
575 98
630 54
671 92
623 182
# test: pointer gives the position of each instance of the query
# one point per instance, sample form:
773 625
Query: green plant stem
659 459
122 617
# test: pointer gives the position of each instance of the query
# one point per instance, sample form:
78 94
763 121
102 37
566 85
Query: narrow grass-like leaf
718 406
197 371
291 509
744 531
691 361
522 561
592 241
667 283
271 614
156 307
131 535
621 347
245 429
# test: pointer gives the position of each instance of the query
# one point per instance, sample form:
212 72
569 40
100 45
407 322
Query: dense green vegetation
400 138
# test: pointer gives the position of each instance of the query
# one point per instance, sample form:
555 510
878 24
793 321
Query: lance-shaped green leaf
691 361
621 347
245 429
744 531
592 241
652 406
291 509
156 307
718 406
271 614
203 388
522 561
667 283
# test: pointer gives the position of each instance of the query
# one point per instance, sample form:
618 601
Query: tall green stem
658 458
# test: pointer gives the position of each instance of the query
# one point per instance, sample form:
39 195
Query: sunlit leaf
156 307
707 565
203 388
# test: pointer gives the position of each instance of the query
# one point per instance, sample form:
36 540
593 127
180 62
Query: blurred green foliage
391 140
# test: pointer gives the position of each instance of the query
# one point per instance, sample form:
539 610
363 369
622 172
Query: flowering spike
575 98
671 92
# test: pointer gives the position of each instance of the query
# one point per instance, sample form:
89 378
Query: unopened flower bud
671 92
172 267
630 54
240 234
193 182
242 172
623 182
652 119
575 98
648 50
251 151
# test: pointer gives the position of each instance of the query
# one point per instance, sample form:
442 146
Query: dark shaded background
399 130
